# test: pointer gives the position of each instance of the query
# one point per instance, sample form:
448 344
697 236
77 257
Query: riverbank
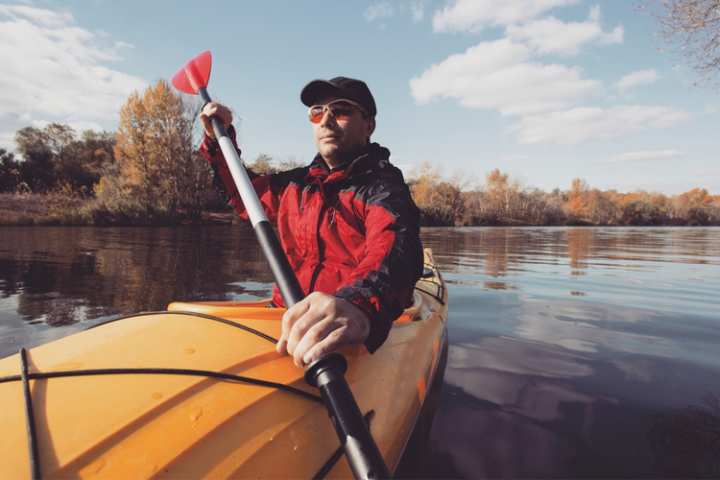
58 209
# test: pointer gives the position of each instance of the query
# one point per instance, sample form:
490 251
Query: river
574 352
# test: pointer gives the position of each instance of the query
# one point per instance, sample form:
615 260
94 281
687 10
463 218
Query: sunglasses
341 110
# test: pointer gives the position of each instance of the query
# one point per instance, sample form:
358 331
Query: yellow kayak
199 391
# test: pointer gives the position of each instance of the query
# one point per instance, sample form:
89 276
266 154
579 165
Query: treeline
150 172
502 201
147 172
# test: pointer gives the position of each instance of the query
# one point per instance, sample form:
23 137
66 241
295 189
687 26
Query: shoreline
27 210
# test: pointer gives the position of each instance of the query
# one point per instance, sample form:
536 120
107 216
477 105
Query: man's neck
344 158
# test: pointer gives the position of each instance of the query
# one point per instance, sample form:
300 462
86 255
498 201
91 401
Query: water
575 352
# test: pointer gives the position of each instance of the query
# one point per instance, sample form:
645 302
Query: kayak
199 391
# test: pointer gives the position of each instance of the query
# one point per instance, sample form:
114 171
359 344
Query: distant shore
63 210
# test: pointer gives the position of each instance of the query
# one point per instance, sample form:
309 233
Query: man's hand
214 109
320 324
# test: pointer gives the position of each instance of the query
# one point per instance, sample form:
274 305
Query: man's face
335 138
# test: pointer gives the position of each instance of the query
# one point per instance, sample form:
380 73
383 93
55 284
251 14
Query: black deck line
164 371
193 314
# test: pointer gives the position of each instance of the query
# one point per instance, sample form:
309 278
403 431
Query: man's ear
371 127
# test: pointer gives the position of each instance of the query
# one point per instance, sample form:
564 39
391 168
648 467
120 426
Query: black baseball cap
342 87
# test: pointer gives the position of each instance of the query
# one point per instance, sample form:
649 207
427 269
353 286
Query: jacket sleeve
383 282
269 196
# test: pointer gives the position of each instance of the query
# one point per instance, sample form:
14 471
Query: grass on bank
62 209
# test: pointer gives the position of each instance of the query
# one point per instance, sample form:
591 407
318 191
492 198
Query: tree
158 172
695 25
93 155
56 159
37 167
9 171
695 207
440 202
263 165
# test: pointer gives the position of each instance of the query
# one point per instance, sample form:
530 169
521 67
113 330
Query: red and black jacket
352 232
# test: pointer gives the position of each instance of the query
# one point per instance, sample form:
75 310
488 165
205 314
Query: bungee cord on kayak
29 417
25 376
163 371
193 314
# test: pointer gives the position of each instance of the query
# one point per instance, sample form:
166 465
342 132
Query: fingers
288 320
214 109
320 324
333 341
314 335
314 313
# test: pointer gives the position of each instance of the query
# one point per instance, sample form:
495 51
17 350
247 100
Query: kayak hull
173 420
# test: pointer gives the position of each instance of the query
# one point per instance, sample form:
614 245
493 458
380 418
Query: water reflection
575 352
591 365
518 409
57 277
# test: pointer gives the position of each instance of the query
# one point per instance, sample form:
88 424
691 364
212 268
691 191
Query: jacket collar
373 157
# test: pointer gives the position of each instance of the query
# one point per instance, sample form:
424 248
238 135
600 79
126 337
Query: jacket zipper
321 251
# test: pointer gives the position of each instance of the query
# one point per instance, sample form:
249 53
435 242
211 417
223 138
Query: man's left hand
320 324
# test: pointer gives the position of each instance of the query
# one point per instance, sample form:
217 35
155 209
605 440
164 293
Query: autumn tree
263 164
500 195
693 26
441 202
696 207
158 172
92 154
576 207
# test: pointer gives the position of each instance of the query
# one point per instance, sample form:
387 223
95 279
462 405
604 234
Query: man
346 222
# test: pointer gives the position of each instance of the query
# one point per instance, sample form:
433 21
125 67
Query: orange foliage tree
441 202
158 172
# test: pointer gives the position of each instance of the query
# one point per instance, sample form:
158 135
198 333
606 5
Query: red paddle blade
195 74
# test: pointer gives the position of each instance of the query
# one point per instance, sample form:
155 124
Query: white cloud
378 11
544 99
474 15
646 155
39 16
635 79
57 71
550 35
498 75
581 124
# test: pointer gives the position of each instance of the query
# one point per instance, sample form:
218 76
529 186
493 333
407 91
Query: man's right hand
214 109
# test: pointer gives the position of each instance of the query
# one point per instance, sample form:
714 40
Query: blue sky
546 90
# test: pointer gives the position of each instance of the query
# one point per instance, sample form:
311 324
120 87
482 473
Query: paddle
326 373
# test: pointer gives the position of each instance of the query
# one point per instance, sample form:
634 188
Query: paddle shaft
279 265
327 373
364 457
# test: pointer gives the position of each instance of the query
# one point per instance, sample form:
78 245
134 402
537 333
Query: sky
545 90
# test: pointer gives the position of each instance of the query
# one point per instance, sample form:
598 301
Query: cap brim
316 90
